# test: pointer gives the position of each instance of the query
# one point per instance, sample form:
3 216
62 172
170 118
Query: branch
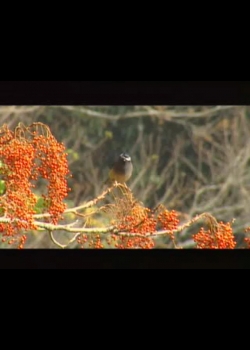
166 115
85 205
111 229
63 245
208 216
68 228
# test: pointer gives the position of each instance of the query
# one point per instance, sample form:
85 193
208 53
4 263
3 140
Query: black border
124 259
124 92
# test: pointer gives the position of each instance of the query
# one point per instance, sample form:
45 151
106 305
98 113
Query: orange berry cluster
82 240
247 241
221 238
168 219
25 155
143 220
17 157
135 243
90 242
53 167
140 220
11 234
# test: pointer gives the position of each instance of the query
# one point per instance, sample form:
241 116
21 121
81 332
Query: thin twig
63 246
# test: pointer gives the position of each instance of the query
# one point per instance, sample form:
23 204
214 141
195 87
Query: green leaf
74 154
39 205
108 134
2 187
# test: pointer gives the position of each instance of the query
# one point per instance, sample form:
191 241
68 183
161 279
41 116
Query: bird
121 170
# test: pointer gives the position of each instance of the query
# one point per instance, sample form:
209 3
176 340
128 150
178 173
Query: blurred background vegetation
192 159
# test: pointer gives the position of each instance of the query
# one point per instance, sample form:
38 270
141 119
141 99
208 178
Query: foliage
27 154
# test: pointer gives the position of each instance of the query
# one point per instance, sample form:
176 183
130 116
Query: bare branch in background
147 111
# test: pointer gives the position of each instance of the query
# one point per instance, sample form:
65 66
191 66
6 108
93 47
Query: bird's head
125 157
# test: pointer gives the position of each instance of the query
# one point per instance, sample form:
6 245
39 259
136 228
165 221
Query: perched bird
121 170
